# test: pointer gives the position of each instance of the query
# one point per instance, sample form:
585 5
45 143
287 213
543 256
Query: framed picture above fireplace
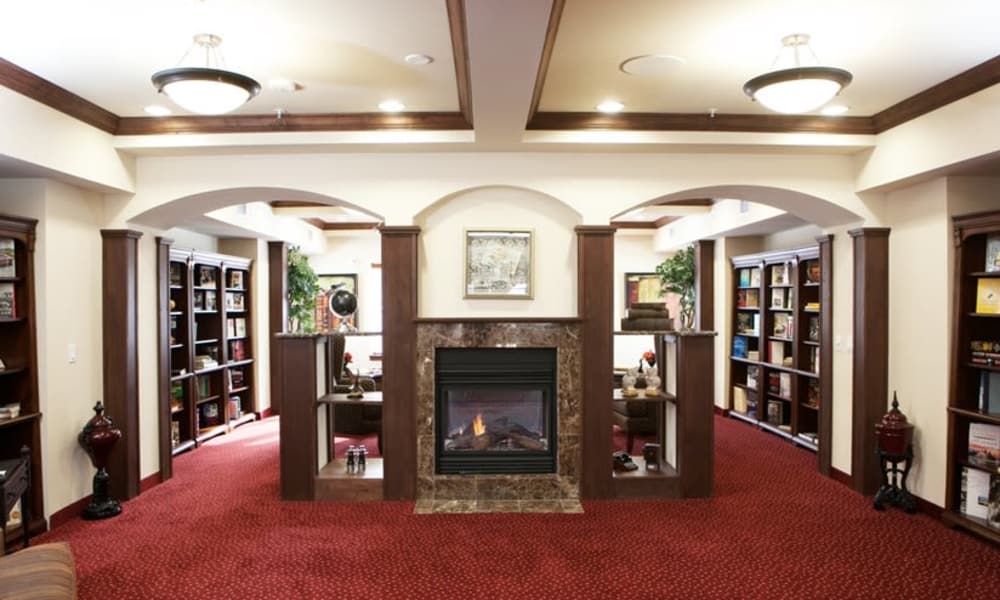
498 263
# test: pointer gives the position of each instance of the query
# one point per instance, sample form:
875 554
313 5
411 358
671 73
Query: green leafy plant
303 286
677 277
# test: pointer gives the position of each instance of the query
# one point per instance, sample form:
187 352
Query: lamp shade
205 91
797 90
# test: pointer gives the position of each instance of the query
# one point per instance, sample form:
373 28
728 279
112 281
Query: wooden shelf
975 415
21 418
973 524
11 371
184 446
207 433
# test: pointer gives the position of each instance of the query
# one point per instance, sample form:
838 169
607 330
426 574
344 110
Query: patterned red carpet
774 529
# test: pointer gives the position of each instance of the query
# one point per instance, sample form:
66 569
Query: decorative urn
98 437
894 432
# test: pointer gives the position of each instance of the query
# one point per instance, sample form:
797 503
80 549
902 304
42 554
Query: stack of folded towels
647 316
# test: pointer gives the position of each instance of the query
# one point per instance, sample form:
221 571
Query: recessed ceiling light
156 110
391 106
418 59
651 64
610 106
281 84
835 109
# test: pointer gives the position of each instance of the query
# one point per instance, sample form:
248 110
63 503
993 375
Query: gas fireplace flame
478 427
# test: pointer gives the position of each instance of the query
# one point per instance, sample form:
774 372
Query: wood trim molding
277 313
457 25
163 355
423 121
400 246
825 452
704 271
595 303
119 273
555 17
569 121
871 352
341 225
964 84
40 90
635 224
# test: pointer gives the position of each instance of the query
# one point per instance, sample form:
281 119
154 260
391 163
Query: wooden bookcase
778 332
976 319
18 350
206 346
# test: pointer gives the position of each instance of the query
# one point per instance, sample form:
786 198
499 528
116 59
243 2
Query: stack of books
647 316
10 411
204 361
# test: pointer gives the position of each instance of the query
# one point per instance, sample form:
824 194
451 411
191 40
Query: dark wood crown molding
563 121
342 226
460 54
51 95
424 121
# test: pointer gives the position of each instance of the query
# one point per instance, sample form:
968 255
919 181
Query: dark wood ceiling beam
426 121
40 90
342 225
964 84
569 121
297 204
460 54
555 16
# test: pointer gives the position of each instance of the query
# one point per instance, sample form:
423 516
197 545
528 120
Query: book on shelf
779 274
739 399
8 300
748 298
748 323
206 276
989 392
241 327
744 278
809 436
777 352
14 517
231 327
992 253
993 503
237 350
755 277
773 383
785 385
204 361
783 325
210 300
984 444
739 346
752 375
814 359
753 355
975 493
235 280
235 407
778 298
813 271
10 410
811 306
204 388
8 264
175 434
813 331
209 414
234 301
812 393
175 273
988 296
776 413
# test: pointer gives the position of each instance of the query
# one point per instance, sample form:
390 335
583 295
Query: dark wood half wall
277 313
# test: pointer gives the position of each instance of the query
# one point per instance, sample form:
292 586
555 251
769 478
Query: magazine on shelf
992 253
975 493
984 444
8 303
8 264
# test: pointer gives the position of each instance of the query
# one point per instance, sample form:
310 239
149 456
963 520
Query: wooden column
871 352
824 457
695 370
595 306
277 312
119 273
399 343
163 356
298 374
704 281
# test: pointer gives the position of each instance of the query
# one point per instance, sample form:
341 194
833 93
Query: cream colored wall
634 253
441 268
843 354
68 313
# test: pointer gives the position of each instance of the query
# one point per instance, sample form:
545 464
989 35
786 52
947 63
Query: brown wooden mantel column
704 281
119 274
871 352
595 306
399 379
277 313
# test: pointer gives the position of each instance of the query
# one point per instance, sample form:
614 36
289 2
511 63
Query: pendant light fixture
799 88
208 90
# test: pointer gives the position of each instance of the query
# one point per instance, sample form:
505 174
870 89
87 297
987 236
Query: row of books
745 401
980 496
779 384
748 277
206 275
236 327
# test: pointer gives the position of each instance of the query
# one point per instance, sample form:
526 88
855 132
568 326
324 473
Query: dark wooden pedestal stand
895 447
98 437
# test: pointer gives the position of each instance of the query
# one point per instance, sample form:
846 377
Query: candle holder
98 437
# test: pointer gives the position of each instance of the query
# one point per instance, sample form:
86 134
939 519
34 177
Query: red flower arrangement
347 358
650 357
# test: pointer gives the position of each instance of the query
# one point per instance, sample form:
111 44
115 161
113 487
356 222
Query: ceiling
503 69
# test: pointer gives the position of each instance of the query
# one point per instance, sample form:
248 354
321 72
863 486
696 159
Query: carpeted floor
775 529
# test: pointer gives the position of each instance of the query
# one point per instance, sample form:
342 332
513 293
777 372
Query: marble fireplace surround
551 492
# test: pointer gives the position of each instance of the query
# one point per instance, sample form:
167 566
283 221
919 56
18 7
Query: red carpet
774 529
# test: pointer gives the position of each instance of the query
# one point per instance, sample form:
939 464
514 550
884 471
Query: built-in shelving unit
778 329
18 351
206 345
974 398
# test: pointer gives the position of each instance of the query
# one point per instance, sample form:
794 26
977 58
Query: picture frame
329 283
643 287
498 264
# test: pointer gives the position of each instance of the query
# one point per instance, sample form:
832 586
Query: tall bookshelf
18 351
974 395
777 323
207 346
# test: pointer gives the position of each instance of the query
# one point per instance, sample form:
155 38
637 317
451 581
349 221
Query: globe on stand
343 304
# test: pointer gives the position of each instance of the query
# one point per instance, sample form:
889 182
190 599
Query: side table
15 484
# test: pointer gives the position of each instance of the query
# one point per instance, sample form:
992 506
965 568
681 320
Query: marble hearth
541 492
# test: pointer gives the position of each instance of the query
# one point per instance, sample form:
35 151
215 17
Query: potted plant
677 277
303 285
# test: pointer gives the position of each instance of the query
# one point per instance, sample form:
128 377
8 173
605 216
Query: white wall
634 253
441 270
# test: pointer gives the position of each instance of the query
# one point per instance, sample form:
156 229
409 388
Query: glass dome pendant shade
206 90
799 89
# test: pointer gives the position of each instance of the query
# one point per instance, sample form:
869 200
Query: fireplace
495 410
